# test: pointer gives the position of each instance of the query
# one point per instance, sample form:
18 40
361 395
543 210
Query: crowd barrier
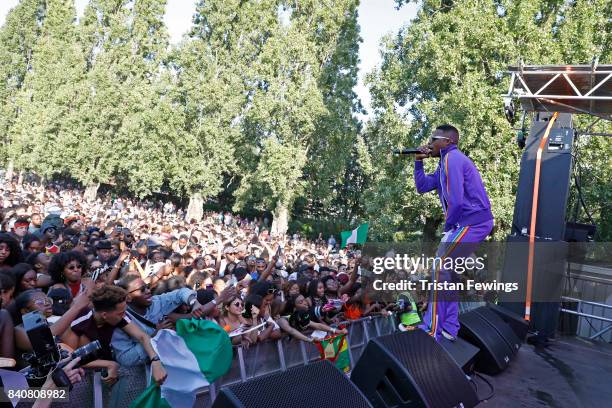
271 357
260 359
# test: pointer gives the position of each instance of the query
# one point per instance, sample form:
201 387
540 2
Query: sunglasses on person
44 302
143 288
237 303
433 138
73 266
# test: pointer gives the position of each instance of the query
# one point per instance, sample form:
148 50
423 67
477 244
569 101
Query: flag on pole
194 356
356 236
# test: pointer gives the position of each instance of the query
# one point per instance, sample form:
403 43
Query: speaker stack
400 370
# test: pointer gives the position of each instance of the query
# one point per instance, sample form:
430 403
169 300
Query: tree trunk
195 210
9 171
91 191
280 223
20 179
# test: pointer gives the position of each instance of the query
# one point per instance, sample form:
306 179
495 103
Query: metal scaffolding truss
563 88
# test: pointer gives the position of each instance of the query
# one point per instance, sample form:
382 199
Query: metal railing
588 316
280 355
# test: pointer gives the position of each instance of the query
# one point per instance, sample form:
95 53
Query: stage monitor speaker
318 384
462 352
495 354
502 328
409 370
519 326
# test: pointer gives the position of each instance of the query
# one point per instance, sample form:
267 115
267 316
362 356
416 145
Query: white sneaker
448 336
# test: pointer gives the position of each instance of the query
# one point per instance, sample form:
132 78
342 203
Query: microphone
408 150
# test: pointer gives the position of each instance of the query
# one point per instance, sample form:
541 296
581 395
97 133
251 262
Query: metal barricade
270 357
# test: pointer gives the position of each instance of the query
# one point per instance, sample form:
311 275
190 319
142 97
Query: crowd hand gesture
167 323
112 373
124 255
341 331
255 313
246 342
425 153
82 299
158 372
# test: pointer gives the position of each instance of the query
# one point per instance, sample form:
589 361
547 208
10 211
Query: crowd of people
119 270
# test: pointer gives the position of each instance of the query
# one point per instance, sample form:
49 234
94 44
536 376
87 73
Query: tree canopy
256 107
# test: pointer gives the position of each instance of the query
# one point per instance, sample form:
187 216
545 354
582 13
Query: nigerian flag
356 236
194 356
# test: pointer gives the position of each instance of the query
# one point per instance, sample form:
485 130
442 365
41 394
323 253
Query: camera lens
87 352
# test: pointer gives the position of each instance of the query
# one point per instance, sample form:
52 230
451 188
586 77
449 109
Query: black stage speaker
502 328
555 174
495 354
550 228
519 326
549 268
410 370
319 385
462 352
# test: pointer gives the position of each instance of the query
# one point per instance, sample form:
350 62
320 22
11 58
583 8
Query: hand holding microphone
419 153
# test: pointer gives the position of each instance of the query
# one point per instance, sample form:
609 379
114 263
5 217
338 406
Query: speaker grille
502 327
495 353
318 385
441 381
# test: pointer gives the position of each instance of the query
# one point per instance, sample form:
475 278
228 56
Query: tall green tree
49 93
215 74
447 67
299 116
18 37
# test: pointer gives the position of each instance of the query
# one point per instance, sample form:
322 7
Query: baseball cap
61 300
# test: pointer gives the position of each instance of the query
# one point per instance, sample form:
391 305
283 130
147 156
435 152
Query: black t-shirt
86 325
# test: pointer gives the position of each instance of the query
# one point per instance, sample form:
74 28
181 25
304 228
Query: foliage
447 67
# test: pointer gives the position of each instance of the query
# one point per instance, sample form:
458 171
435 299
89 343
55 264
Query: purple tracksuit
468 219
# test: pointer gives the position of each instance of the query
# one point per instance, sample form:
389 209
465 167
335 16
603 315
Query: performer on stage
468 219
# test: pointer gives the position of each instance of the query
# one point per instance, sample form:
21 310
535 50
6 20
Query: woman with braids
10 251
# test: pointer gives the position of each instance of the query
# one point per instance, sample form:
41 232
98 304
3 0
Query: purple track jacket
459 186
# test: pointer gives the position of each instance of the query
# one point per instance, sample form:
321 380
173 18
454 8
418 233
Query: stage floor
570 373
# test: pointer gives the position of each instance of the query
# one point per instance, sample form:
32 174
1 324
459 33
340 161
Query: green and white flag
356 236
194 356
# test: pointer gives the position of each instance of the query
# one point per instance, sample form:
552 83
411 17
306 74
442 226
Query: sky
376 19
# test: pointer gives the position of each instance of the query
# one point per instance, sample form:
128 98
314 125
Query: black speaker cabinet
409 370
519 326
318 385
495 353
502 328
462 352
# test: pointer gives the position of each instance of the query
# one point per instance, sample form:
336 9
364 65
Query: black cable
488 397
474 385
577 182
